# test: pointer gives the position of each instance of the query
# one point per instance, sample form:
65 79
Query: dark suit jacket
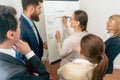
112 51
28 35
13 69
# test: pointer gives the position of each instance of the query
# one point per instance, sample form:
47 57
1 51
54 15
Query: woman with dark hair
68 51
92 63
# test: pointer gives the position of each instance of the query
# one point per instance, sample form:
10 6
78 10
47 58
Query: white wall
98 12
14 3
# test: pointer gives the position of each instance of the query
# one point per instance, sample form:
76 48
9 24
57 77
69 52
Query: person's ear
31 9
10 34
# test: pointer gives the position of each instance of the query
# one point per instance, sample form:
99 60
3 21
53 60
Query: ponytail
100 69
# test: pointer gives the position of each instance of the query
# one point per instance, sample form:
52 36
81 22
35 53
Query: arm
34 61
58 38
67 28
39 69
113 50
21 73
66 48
24 37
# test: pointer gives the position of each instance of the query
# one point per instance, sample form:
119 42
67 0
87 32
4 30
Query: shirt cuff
30 54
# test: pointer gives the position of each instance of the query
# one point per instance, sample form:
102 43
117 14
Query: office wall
14 3
98 12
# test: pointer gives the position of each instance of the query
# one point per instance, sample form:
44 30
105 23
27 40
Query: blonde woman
113 43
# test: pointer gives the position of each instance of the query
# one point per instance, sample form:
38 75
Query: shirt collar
81 61
8 51
29 20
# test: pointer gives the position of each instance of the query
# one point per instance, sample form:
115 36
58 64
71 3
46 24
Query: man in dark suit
29 31
10 67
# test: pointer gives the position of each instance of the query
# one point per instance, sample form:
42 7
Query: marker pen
67 16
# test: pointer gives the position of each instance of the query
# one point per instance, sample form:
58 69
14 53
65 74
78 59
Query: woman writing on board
68 50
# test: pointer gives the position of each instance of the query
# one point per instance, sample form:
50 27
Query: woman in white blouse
91 64
68 50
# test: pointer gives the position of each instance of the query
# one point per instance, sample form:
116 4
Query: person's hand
65 20
51 78
57 36
22 47
45 45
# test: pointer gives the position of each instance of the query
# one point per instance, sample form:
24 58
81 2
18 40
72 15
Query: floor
114 76
52 69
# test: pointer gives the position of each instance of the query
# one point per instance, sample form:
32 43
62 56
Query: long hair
93 48
82 17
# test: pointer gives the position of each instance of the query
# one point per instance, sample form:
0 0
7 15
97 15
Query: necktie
40 42
35 31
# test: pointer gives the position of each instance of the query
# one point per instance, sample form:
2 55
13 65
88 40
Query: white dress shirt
12 53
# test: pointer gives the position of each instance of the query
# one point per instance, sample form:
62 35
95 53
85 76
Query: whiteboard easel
54 10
